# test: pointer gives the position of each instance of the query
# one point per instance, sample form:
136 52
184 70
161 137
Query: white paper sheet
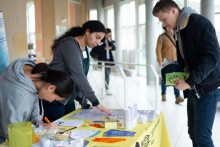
81 134
71 123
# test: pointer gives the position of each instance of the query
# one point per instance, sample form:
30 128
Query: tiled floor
145 97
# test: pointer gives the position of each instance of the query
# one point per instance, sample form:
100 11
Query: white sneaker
108 92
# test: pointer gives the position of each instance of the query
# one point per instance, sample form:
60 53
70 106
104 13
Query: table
151 134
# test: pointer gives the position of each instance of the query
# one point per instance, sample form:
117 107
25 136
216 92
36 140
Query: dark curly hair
92 25
62 81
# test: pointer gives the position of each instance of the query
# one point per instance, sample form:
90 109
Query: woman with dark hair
70 55
21 84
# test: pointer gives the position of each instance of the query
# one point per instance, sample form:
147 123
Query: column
117 14
185 3
208 9
151 39
38 29
100 10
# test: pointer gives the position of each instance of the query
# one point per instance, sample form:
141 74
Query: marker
47 120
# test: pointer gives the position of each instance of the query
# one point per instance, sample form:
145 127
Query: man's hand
181 84
103 109
108 48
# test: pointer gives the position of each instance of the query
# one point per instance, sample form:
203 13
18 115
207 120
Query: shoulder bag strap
170 39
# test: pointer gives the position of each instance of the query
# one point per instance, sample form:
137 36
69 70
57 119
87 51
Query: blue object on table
114 132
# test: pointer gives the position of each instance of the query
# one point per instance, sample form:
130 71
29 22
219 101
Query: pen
47 120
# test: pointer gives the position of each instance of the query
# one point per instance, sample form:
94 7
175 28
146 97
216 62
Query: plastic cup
143 119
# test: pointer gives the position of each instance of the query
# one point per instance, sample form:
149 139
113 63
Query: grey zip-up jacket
68 57
18 96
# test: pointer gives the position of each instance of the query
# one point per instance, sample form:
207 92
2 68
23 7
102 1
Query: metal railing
120 66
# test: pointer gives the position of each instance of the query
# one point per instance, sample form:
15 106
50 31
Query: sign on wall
3 45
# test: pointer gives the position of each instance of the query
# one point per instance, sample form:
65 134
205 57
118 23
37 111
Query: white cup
45 143
75 143
128 126
143 118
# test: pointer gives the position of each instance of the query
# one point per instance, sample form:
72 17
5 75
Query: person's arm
35 116
72 56
16 107
159 50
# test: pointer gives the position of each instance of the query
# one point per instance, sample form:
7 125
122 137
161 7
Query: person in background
198 53
70 55
104 53
166 49
22 84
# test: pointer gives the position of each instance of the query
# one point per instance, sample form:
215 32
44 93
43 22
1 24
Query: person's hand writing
103 109
181 84
48 125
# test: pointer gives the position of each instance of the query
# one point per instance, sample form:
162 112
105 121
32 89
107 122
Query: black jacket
201 53
101 52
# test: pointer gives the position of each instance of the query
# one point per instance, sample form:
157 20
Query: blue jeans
107 77
164 88
201 114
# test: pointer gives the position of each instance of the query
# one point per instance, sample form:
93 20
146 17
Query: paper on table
171 77
78 134
71 123
96 114
90 114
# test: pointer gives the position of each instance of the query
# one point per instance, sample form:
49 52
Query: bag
20 134
173 67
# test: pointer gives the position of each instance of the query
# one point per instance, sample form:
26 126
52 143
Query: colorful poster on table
3 45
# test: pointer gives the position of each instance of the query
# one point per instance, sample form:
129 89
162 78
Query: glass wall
93 14
141 39
109 20
31 35
217 19
128 25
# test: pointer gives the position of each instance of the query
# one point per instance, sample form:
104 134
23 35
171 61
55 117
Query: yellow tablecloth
151 134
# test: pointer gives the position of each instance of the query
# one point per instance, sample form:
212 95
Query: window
217 27
31 37
217 18
110 20
141 39
128 22
93 14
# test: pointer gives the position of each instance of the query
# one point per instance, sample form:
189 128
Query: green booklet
171 77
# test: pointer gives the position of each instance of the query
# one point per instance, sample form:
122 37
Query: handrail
116 63
119 65
125 87
157 84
